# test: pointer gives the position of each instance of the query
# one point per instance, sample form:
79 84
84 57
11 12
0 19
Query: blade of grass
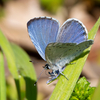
9 55
96 94
7 50
18 60
64 87
26 70
2 78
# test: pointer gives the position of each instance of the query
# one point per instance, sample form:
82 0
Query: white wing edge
70 19
43 17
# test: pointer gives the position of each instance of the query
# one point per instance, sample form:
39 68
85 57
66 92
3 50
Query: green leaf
18 61
64 87
7 50
2 78
26 70
96 94
51 5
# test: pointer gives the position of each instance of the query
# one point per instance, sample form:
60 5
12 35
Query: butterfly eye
46 66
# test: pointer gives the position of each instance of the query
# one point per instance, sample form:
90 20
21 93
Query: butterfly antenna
64 75
38 77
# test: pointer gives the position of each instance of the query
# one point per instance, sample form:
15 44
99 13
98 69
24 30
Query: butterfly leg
61 70
64 75
52 74
53 78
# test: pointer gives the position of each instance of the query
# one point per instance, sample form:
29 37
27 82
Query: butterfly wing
42 31
62 53
72 31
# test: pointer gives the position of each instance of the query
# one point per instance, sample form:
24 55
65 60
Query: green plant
82 90
19 65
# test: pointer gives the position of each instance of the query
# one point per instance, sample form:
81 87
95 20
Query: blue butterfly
58 45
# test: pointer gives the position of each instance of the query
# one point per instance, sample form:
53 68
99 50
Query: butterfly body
58 46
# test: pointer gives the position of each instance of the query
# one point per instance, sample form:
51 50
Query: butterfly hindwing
63 53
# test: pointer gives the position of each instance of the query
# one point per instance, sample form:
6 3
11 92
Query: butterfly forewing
63 53
72 31
42 31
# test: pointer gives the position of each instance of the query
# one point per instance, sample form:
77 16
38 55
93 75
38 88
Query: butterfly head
47 66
